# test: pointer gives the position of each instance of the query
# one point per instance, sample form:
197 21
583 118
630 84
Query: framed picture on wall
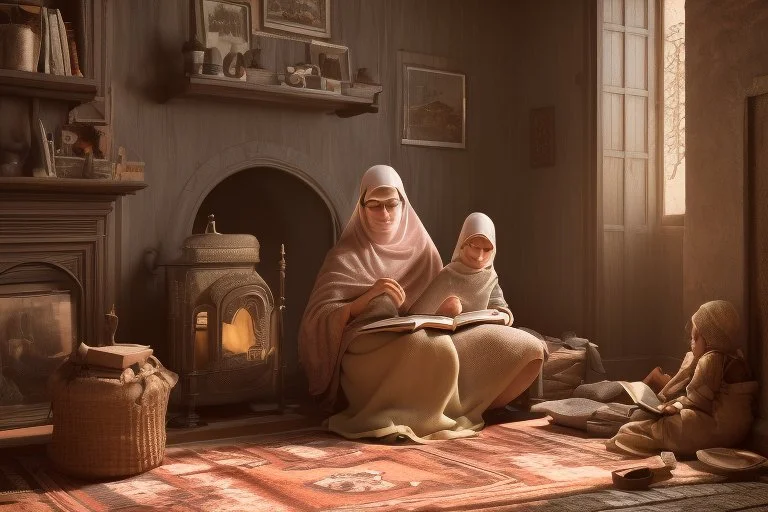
225 25
306 17
433 107
332 59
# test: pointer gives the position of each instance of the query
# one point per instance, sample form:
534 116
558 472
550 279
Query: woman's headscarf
476 224
349 270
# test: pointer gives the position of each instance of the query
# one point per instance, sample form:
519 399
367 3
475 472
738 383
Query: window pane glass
674 107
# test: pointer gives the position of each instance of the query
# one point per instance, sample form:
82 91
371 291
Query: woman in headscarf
394 383
708 403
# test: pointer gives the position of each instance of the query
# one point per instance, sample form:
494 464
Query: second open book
415 322
642 395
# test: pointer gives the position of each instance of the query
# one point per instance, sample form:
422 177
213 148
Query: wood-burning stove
223 324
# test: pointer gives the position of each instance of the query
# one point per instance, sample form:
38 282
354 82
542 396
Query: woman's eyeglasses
389 204
478 248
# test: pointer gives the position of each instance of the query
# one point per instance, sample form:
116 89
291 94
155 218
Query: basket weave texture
108 428
19 47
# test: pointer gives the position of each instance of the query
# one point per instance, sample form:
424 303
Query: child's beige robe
715 396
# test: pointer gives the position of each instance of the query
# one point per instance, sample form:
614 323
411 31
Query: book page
409 323
394 324
483 316
642 395
434 321
121 348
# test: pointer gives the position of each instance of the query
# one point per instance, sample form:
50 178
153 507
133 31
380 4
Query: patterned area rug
528 465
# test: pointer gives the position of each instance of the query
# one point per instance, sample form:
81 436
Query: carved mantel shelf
71 223
41 85
244 92
70 186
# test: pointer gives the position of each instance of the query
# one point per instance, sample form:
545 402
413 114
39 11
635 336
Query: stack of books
56 46
111 361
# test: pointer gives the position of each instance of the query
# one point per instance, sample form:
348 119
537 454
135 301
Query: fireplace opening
277 208
38 331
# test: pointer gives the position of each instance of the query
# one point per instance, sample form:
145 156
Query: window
674 107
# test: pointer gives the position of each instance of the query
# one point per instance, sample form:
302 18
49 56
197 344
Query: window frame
665 220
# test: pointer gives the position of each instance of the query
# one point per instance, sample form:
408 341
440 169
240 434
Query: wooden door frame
593 168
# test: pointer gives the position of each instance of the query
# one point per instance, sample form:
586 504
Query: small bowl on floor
632 479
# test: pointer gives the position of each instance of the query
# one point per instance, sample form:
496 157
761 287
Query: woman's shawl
349 270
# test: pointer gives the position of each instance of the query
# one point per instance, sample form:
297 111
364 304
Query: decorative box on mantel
223 324
57 278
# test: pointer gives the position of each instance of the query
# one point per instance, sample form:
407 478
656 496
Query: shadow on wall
277 208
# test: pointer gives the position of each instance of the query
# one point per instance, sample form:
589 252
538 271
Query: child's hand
450 307
668 409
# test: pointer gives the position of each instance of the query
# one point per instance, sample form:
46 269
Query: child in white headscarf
469 282
708 403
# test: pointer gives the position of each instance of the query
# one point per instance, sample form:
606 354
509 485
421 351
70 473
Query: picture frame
224 24
432 100
305 17
331 59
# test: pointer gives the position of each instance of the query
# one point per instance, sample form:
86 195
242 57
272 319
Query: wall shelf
74 89
236 90
70 185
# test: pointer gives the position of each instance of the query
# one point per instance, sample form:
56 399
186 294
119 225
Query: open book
415 322
642 395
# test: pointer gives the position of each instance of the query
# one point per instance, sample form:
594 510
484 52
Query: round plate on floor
730 459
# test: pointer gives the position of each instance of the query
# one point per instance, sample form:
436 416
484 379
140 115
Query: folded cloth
616 412
598 419
604 391
602 429
569 412
607 420
595 370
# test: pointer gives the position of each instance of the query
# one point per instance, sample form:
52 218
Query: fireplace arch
278 208
249 155
265 172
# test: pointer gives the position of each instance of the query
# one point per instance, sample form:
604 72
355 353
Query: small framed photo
307 17
332 59
225 25
434 107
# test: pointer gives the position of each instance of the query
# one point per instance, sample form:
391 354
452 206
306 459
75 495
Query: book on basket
642 395
102 372
118 356
415 322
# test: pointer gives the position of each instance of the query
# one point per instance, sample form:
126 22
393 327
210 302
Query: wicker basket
107 428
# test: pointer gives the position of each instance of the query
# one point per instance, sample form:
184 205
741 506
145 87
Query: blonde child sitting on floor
708 403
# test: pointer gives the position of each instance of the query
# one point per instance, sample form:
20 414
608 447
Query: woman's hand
384 285
450 307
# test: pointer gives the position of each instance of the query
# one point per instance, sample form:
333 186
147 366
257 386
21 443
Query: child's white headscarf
476 224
